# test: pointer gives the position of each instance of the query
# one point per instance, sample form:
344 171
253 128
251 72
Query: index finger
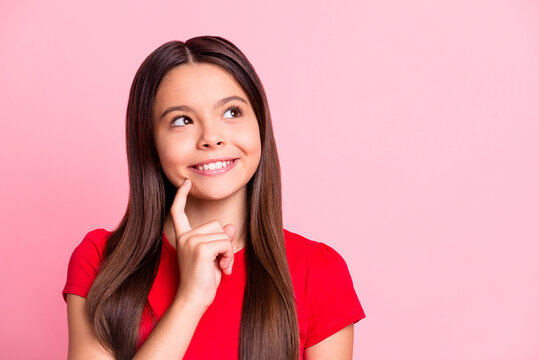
177 210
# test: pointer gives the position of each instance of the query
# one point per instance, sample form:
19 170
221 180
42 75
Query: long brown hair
118 296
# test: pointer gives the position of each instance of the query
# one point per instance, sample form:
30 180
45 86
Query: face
205 129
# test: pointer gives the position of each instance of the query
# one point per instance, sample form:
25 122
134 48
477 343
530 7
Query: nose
211 138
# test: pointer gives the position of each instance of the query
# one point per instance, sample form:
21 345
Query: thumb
230 230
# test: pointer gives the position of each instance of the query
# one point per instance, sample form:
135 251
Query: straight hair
118 296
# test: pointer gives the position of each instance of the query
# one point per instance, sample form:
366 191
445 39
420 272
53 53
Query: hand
203 252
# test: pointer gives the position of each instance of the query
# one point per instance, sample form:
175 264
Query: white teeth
215 165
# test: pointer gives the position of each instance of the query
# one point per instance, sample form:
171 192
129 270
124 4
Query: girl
200 266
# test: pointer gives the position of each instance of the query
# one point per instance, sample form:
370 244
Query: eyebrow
218 104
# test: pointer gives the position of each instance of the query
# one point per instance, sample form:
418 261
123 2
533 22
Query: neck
231 210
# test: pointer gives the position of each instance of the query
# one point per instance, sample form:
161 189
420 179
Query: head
205 129
148 135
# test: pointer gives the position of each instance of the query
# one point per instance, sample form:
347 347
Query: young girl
200 266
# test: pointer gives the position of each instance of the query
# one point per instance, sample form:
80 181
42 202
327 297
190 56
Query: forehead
197 83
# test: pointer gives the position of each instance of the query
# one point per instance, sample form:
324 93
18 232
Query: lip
213 160
215 171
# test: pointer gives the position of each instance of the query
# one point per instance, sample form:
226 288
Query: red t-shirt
325 298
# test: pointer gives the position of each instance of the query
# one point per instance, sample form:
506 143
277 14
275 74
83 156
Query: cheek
171 158
258 151
252 145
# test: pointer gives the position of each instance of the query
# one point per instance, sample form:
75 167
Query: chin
215 193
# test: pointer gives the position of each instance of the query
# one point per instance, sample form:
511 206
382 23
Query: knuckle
190 243
215 224
188 240
183 238
198 250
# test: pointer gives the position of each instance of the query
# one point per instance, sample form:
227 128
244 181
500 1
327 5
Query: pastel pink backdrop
408 136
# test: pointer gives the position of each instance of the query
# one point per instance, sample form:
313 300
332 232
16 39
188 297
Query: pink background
409 140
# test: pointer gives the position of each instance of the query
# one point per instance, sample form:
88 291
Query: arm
173 333
338 346
170 338
83 343
203 254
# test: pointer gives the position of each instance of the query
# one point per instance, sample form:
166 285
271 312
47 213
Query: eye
180 121
233 112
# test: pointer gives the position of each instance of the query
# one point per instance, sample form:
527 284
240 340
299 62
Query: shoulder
92 245
302 250
314 264
85 262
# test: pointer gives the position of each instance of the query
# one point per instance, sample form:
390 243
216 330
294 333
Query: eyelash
233 107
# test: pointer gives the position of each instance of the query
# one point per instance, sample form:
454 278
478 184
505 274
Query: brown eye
233 112
180 121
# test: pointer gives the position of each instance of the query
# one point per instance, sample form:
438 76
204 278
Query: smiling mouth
214 165
214 168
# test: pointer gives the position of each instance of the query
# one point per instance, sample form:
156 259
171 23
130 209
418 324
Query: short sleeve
333 302
84 263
